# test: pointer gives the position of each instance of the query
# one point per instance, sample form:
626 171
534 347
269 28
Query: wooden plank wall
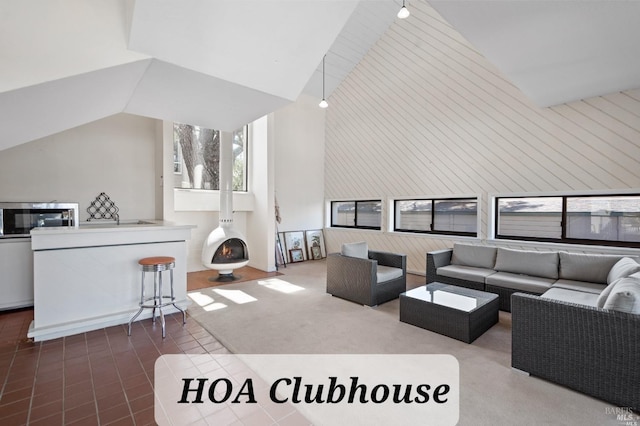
424 114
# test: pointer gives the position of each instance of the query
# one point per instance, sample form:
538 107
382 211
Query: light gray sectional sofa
575 317
575 277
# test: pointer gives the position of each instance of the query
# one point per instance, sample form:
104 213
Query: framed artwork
295 240
315 238
296 255
316 253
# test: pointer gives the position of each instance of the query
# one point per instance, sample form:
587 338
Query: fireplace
231 251
225 248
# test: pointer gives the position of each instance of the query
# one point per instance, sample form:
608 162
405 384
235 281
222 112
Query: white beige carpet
292 313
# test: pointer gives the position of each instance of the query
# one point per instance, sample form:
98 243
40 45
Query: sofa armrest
591 350
436 259
393 260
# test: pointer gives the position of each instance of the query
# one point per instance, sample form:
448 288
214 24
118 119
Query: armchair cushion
360 250
386 273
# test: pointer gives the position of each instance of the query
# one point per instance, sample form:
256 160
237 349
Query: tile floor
103 377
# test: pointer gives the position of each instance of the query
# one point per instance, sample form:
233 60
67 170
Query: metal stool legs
157 265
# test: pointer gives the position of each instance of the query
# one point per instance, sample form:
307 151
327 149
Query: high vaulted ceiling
224 63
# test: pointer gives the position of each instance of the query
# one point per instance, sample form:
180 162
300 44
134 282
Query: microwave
18 219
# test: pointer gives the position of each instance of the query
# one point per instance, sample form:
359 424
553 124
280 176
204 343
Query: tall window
589 219
456 216
196 157
357 214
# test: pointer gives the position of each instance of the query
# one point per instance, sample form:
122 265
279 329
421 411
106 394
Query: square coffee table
457 312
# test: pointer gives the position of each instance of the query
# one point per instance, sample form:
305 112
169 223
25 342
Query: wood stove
225 248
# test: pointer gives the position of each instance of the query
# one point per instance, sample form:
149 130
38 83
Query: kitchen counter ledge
87 278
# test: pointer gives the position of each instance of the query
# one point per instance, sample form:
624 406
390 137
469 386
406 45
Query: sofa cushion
625 296
359 249
571 296
470 255
602 298
595 288
622 269
468 273
526 283
386 273
536 263
593 268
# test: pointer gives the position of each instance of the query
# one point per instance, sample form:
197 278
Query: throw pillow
625 296
622 301
359 249
622 269
537 263
602 298
470 255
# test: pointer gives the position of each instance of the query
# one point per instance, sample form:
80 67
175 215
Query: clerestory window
196 157
576 219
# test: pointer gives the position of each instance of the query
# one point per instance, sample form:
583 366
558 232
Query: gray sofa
364 276
580 329
506 271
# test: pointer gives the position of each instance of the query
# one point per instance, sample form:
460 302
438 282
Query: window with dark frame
447 216
365 214
574 219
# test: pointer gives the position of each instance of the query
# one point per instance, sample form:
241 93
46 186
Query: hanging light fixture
403 13
323 103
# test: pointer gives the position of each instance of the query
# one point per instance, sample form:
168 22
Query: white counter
88 278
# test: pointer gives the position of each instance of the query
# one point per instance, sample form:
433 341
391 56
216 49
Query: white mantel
88 278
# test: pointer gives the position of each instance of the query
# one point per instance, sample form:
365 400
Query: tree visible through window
197 157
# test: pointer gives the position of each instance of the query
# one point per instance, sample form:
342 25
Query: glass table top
461 298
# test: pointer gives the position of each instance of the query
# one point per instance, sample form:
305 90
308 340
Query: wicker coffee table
457 312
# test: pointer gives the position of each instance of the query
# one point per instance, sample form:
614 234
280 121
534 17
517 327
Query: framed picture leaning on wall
315 238
316 253
295 240
296 255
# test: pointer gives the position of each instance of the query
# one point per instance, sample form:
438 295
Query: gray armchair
377 279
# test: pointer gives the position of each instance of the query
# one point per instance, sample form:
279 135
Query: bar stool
157 265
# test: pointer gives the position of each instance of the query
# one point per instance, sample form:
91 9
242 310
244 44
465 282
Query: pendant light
403 13
323 103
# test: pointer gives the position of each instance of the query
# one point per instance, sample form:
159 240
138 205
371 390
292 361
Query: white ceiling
224 63
554 51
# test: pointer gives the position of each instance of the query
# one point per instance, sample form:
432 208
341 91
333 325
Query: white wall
261 221
298 132
424 114
115 155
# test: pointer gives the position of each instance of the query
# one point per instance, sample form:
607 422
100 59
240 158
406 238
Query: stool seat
157 260
157 300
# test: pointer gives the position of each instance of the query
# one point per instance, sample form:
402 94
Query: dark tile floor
103 377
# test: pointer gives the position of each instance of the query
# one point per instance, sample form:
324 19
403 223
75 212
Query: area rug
292 314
